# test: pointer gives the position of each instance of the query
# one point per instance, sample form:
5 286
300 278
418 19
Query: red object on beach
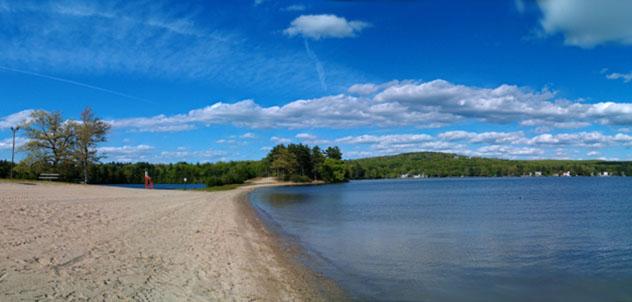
149 184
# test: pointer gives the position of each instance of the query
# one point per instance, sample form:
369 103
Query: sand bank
77 242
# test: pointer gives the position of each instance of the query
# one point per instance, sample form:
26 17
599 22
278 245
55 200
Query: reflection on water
278 199
536 239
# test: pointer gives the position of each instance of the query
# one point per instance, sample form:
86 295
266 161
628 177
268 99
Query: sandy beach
78 242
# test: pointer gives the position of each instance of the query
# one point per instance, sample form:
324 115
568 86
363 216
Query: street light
14 130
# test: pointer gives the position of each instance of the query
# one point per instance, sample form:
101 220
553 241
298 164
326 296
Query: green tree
51 139
334 170
333 153
284 163
89 131
318 158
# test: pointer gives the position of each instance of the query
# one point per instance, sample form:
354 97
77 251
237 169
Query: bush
299 178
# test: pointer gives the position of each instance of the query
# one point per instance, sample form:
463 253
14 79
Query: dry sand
78 242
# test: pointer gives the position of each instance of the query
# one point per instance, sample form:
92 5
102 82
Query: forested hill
433 164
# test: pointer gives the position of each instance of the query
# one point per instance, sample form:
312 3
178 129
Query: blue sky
226 80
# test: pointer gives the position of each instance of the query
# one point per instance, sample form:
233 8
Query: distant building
567 174
538 173
605 173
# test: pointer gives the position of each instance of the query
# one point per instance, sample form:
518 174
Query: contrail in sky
319 67
45 76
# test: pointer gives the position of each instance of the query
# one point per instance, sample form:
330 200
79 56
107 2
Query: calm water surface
468 239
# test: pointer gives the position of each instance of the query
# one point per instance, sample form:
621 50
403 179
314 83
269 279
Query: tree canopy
300 163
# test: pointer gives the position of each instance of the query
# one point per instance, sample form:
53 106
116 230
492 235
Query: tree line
69 147
433 164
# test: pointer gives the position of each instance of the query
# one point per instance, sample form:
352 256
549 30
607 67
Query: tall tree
89 131
303 158
51 139
333 153
318 158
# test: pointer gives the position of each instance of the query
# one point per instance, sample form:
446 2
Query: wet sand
78 242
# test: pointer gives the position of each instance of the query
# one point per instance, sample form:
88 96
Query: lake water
163 186
466 239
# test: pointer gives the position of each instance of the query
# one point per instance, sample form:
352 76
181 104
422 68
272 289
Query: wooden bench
48 176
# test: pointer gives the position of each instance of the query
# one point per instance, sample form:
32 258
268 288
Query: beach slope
76 242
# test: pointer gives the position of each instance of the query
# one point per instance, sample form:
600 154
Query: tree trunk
85 166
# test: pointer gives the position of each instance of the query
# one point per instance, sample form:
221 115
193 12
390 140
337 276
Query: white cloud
280 140
185 154
324 26
487 144
504 151
362 89
15 119
626 77
248 135
588 23
401 104
227 141
7 144
501 104
306 136
385 139
483 137
125 150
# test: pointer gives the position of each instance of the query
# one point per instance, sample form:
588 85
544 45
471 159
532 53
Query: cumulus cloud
15 119
324 26
588 23
584 139
398 104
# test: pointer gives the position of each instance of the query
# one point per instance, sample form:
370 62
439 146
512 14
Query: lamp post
14 130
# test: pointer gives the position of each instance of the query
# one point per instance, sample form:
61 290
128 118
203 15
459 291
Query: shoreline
288 251
78 242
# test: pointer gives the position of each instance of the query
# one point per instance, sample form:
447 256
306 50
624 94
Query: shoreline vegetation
68 241
68 150
229 175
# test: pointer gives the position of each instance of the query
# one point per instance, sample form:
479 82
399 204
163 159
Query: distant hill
435 164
